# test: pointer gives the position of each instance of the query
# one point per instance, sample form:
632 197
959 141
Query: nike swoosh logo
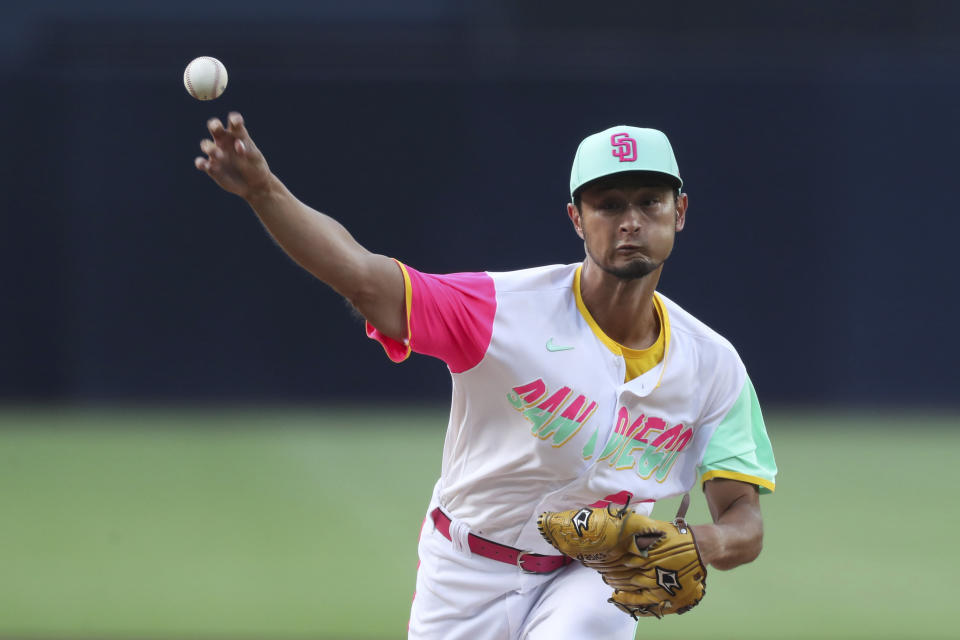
555 347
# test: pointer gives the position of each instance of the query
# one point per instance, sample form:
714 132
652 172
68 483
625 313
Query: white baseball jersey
545 417
541 418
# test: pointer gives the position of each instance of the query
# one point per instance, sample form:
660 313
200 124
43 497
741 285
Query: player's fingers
236 126
220 135
210 166
240 148
210 148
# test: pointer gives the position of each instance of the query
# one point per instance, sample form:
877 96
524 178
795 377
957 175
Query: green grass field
303 524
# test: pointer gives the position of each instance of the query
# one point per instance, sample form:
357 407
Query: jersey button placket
619 368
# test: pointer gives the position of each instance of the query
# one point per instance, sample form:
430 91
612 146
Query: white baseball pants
466 596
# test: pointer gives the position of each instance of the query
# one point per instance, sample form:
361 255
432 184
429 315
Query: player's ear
574 214
681 216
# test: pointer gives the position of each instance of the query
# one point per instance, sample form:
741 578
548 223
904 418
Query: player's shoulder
685 326
545 278
701 356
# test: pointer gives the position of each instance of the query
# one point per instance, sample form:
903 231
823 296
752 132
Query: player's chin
633 267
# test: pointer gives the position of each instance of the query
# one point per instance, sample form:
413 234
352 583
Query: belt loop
460 536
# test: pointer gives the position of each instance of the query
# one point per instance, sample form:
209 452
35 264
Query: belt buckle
520 561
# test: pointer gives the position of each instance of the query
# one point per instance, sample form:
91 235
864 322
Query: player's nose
631 221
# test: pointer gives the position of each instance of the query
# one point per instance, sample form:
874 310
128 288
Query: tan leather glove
653 566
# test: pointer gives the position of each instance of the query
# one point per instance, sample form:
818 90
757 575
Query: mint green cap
620 149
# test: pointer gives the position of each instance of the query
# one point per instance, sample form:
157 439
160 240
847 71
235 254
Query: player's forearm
315 241
735 539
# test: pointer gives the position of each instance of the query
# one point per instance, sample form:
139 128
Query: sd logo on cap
620 149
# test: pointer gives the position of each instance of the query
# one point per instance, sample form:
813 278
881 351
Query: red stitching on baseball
216 78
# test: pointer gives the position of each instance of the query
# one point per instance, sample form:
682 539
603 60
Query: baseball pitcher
581 396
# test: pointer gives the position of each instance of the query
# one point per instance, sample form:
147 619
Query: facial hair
633 270
636 269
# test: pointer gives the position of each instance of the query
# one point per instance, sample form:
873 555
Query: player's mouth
629 248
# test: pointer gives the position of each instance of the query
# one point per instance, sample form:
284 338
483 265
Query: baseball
205 78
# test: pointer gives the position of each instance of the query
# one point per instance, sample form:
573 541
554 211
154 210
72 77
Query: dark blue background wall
817 140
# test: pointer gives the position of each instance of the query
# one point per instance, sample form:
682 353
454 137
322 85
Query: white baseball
205 78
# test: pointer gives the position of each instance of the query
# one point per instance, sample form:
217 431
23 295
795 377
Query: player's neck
623 309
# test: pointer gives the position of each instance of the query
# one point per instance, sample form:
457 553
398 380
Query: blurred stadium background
196 440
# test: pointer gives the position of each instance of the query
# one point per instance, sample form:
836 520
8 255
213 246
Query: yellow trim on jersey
638 361
664 334
407 303
742 477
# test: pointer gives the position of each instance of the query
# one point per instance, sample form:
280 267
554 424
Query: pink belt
528 562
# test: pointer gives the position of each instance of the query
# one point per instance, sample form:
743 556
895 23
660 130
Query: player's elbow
752 551
746 552
358 278
378 292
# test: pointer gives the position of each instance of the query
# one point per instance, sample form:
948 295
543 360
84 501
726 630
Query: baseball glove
653 566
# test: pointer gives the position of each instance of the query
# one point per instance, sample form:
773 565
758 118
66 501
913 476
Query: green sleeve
740 448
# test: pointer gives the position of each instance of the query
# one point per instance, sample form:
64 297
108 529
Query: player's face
628 224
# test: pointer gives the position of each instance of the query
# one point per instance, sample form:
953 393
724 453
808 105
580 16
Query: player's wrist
261 193
708 542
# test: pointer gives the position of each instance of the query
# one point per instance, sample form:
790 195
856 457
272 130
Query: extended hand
233 160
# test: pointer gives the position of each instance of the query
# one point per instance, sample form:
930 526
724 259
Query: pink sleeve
448 316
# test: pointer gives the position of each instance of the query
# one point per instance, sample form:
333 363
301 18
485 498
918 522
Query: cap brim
656 178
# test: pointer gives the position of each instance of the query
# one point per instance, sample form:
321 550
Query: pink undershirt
450 317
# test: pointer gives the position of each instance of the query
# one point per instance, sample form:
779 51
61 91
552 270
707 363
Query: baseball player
575 387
